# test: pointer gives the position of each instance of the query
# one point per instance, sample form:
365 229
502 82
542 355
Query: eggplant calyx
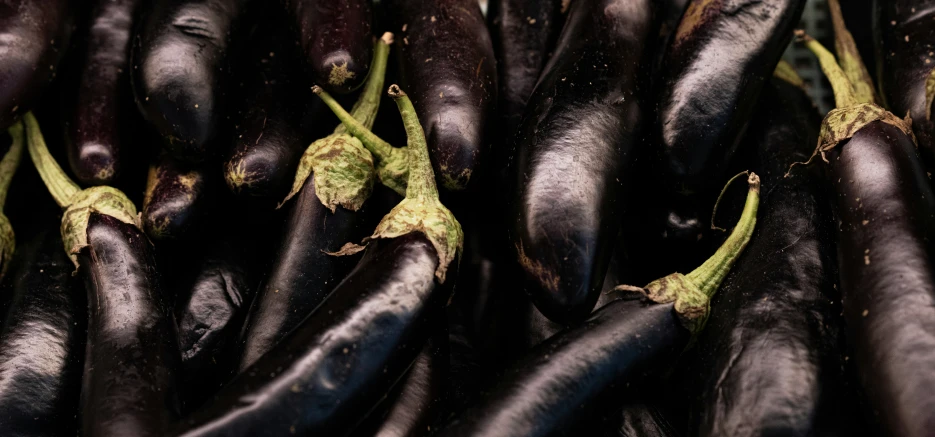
78 203
786 72
8 168
421 210
849 57
929 94
692 293
392 163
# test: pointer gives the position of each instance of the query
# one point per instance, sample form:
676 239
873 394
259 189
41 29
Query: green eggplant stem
368 104
708 276
844 94
849 57
786 72
62 188
10 161
421 175
381 149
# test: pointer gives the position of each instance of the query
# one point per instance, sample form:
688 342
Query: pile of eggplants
405 218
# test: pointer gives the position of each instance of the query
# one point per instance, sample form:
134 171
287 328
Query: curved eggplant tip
252 175
183 114
171 203
340 72
548 288
95 164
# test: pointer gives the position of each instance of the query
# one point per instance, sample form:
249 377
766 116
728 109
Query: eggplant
574 153
768 362
524 34
906 72
303 272
179 58
590 366
8 166
447 63
175 199
99 110
278 117
885 211
716 63
31 50
335 38
132 353
42 341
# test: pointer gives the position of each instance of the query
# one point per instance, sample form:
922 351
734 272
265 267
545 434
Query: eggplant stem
844 94
11 160
421 175
62 188
708 276
849 57
376 145
368 104
786 72
720 196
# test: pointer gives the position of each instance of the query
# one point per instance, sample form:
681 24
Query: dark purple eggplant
179 70
278 117
524 34
885 209
303 272
447 63
590 366
364 336
100 115
574 154
336 40
175 199
906 65
718 59
132 353
34 35
769 359
42 341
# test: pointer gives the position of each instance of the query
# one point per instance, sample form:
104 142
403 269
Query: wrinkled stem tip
317 90
387 38
754 182
396 92
801 36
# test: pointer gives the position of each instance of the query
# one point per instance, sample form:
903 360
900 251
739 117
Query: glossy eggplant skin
98 117
769 355
885 208
175 199
30 51
904 40
524 34
574 153
42 342
302 275
343 358
336 41
278 116
449 70
179 70
132 352
716 63
563 379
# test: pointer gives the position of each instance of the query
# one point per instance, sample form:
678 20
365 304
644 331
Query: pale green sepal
691 304
394 173
344 169
929 94
7 243
103 200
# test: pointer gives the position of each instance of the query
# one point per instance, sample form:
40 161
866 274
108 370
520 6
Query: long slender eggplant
565 378
574 152
345 356
100 111
175 198
335 38
448 65
132 353
524 34
278 116
768 359
42 342
8 166
715 65
906 65
321 219
885 210
179 70
34 35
